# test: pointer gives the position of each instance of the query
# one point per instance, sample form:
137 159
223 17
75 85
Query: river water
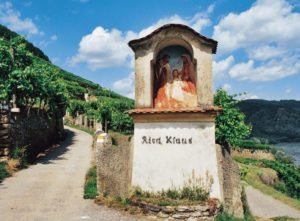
292 149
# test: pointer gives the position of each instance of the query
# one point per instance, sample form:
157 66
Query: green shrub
20 153
226 217
288 173
90 187
3 171
283 218
252 145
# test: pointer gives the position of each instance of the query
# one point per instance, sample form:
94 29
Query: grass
252 178
284 218
90 186
3 171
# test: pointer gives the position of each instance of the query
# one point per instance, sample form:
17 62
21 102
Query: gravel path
264 206
53 188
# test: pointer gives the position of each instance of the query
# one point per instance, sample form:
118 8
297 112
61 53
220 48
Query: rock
162 215
168 209
184 209
180 216
169 219
192 219
202 208
205 213
196 214
153 208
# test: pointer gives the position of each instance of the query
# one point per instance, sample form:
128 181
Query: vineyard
288 174
27 73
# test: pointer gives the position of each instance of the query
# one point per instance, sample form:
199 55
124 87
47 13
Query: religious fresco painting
174 79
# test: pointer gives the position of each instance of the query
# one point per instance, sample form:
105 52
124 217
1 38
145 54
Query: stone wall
34 130
4 133
84 121
254 154
232 189
114 167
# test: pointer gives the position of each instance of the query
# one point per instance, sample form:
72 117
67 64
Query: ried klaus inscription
166 140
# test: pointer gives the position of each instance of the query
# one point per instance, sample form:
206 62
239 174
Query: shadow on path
57 152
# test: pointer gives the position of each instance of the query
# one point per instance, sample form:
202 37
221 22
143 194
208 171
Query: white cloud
221 67
271 70
12 19
268 35
265 52
265 22
125 86
247 96
288 90
54 37
198 22
210 8
226 87
105 48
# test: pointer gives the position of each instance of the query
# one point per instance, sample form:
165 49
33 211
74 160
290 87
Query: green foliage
3 171
230 125
26 72
112 111
90 187
32 79
20 153
252 145
227 217
7 34
283 218
289 174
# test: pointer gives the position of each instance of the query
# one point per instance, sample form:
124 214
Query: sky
258 41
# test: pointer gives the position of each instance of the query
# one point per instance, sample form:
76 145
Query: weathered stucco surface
170 165
146 54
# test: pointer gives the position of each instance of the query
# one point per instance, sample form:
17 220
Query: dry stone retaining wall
35 131
232 188
113 166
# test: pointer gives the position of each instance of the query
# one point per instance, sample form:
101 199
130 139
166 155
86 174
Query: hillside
29 74
76 85
278 121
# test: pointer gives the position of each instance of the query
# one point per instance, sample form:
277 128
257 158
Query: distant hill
278 121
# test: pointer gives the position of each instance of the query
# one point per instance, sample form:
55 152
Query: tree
230 124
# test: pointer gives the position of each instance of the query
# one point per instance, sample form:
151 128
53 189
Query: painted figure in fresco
188 74
165 71
179 90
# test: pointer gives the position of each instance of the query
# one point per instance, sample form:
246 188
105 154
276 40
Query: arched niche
174 75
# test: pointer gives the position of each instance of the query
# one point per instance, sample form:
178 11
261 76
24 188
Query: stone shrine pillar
174 116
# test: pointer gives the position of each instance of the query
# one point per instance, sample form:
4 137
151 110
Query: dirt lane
53 188
264 206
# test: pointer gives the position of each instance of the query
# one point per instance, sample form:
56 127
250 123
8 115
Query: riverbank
291 149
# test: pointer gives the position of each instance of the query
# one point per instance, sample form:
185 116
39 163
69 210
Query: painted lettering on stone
166 140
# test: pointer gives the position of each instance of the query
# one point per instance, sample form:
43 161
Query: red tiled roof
173 110
209 41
